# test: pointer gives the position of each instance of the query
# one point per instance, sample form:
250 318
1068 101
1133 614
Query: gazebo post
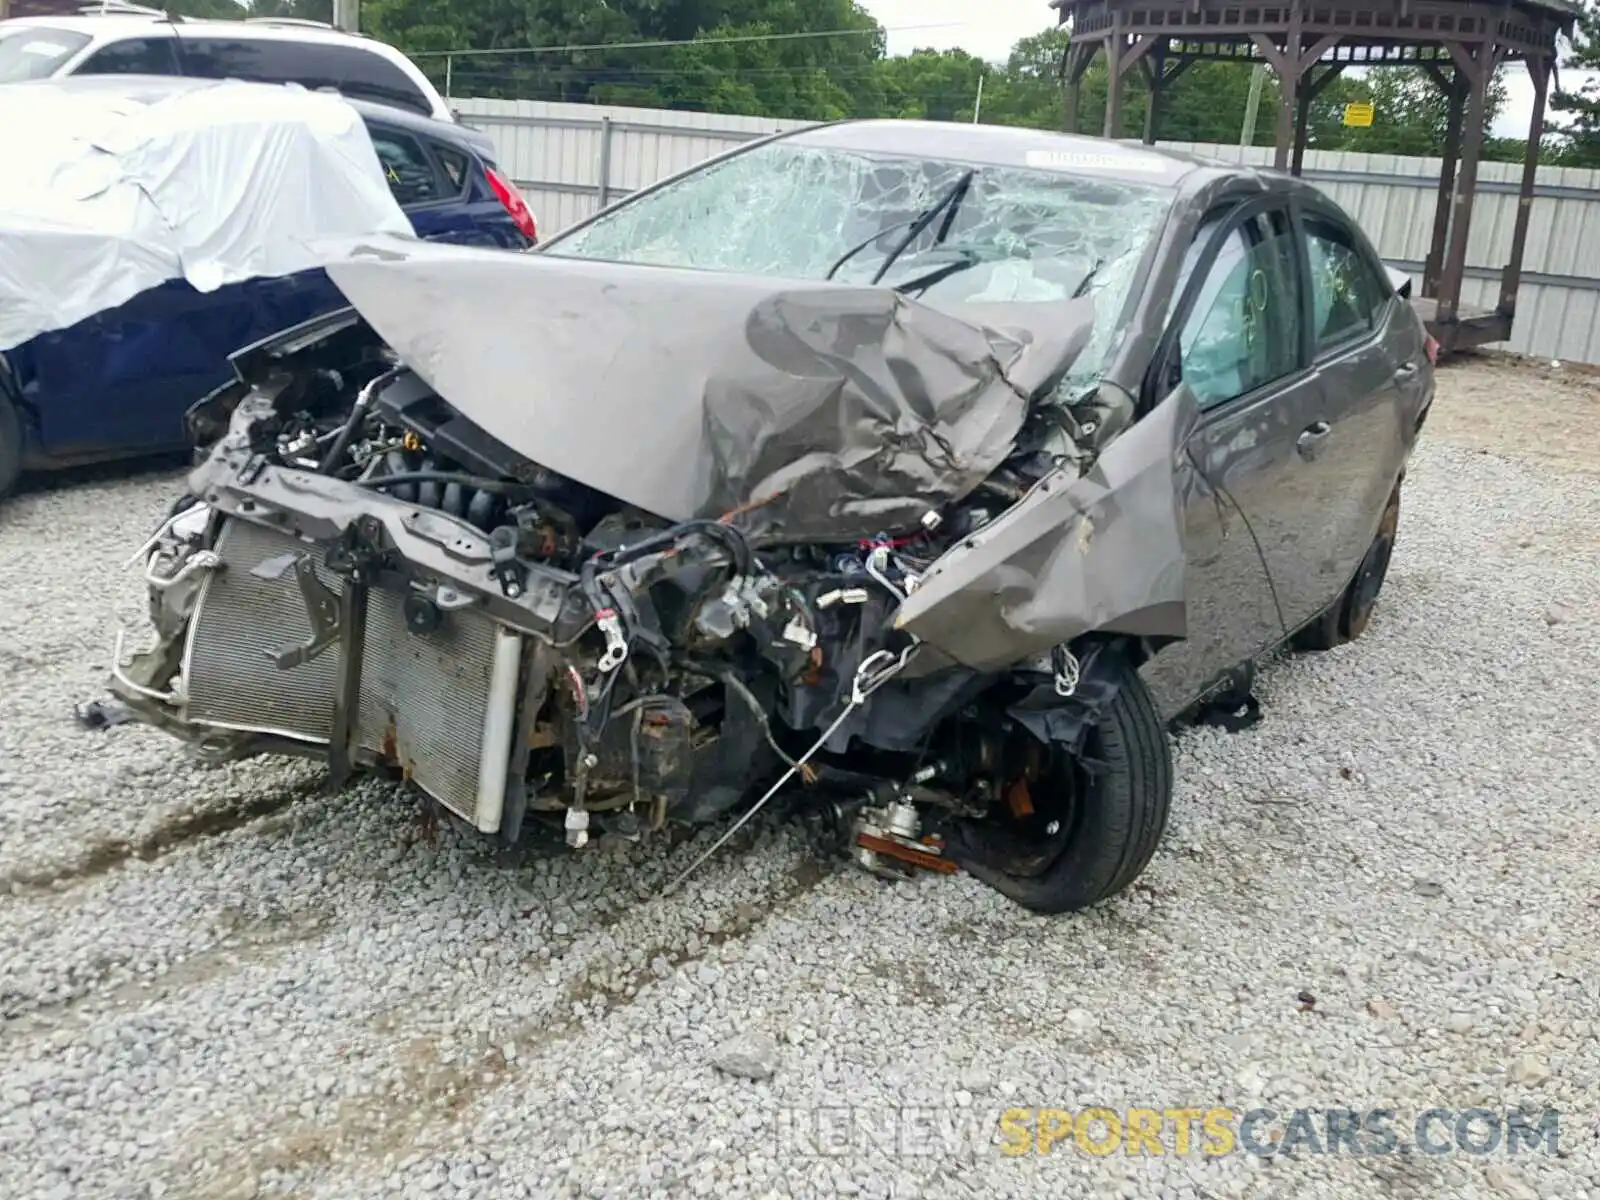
1291 67
1302 119
1154 66
1315 86
1115 49
1478 65
1289 72
1511 277
1079 56
1455 90
1162 76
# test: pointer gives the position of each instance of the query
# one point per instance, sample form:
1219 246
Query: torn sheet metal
1101 552
109 191
828 412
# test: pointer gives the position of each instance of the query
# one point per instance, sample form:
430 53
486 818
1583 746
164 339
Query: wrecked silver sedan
919 474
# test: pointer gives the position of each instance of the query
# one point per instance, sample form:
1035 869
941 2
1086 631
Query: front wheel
1094 818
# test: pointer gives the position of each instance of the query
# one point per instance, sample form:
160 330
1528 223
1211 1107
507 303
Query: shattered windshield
947 233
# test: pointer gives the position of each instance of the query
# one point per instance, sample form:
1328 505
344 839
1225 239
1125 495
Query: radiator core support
439 703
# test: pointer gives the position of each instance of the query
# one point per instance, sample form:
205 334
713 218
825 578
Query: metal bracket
352 627
322 609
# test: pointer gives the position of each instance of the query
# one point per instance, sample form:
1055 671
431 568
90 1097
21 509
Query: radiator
229 682
425 699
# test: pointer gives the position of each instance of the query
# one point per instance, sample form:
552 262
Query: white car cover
103 195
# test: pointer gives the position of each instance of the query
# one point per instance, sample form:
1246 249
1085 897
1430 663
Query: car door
1235 340
1369 360
120 381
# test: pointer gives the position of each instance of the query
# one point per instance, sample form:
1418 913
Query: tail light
1431 346
516 207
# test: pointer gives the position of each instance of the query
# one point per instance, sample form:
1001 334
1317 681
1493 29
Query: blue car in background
118 383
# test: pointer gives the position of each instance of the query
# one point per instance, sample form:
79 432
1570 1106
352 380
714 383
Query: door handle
1311 439
1405 370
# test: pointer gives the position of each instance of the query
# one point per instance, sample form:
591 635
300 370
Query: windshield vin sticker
1066 159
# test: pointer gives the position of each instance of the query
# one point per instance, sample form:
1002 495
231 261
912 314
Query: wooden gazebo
1459 43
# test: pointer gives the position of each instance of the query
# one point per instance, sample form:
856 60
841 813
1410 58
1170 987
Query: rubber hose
455 500
429 493
395 464
480 511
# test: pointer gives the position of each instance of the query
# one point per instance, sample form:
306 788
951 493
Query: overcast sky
990 28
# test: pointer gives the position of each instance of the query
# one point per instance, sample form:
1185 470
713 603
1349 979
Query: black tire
1348 617
1118 814
10 445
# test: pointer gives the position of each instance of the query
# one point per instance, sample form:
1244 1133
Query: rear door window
350 70
1349 292
132 56
456 165
407 167
34 53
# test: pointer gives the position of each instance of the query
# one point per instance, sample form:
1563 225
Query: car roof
1077 155
152 87
118 23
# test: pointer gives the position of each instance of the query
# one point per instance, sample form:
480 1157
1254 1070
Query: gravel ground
222 983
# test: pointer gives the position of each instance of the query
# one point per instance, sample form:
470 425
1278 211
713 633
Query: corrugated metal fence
570 159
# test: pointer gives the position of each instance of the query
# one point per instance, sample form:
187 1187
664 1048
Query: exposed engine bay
363 573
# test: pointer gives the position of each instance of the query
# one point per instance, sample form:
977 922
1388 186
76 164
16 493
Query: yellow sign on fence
1358 115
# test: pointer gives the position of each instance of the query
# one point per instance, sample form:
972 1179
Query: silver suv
129 40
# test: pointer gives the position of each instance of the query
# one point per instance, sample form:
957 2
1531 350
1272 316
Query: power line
700 41
831 72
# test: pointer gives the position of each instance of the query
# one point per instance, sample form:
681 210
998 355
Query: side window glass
405 166
132 56
456 167
222 58
1348 293
1244 329
356 73
363 75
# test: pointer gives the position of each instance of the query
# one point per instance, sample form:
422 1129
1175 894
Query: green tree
816 78
1579 141
233 10
1410 115
934 85
209 9
1206 103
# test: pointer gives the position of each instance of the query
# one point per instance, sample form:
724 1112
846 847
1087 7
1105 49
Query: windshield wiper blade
863 244
950 201
1083 284
921 283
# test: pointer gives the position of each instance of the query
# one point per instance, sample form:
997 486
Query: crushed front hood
836 411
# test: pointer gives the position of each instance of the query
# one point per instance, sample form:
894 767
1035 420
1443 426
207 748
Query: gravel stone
1529 1070
220 982
749 1056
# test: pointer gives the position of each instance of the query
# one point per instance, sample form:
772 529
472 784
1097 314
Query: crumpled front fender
1099 553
